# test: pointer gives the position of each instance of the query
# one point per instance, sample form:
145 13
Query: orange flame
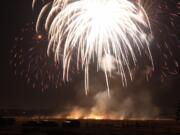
79 113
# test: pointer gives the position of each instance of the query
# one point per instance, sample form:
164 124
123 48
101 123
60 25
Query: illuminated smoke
132 103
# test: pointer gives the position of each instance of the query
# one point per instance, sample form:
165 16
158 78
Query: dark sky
15 93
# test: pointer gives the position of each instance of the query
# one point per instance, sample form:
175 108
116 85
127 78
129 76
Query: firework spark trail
29 59
90 29
164 16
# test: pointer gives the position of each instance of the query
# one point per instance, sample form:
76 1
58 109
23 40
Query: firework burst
117 36
89 30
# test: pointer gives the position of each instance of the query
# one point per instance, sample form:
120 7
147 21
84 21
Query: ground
89 127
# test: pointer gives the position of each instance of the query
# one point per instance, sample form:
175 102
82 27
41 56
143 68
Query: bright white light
93 29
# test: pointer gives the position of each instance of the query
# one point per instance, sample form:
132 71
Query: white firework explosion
90 30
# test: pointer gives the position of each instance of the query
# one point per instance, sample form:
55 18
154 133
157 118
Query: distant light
39 36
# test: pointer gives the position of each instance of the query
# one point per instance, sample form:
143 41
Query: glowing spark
92 29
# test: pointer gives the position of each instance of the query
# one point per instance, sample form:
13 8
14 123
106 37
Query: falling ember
85 31
29 59
39 36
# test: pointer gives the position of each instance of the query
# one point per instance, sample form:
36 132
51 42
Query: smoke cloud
132 102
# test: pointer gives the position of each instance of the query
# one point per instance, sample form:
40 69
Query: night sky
15 93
